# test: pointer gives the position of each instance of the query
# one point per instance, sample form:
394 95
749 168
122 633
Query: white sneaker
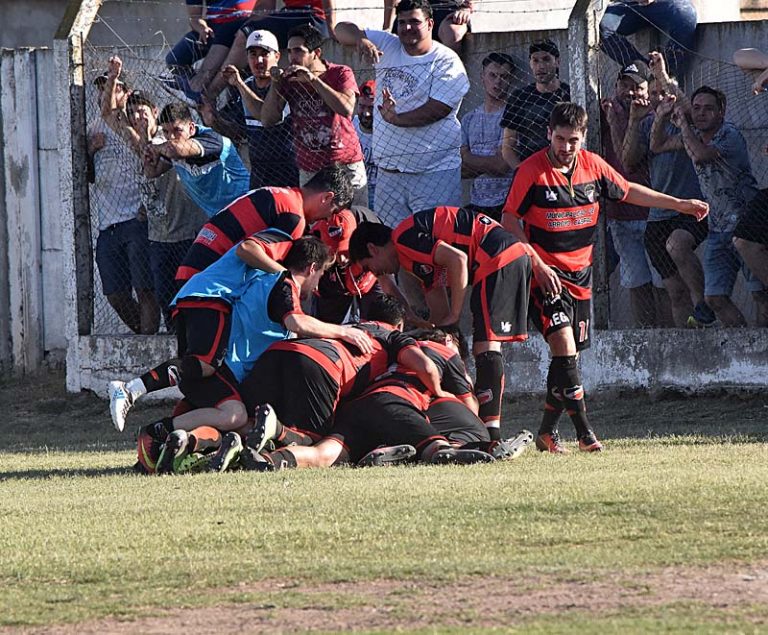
120 402
264 427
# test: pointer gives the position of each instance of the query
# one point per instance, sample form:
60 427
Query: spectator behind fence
321 96
363 123
481 139
207 163
451 21
670 238
122 247
754 62
213 32
676 19
416 134
526 115
627 223
270 150
295 13
719 154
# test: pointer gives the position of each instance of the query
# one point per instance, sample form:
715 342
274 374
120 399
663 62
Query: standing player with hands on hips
555 193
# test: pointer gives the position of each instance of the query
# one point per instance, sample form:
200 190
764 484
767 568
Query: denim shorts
635 264
722 264
122 255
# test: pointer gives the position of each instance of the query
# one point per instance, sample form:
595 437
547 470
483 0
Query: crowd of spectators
158 173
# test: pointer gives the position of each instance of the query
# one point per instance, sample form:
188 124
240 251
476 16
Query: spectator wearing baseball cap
526 116
272 158
363 123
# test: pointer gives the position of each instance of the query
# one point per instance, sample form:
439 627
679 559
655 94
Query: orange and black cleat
589 443
550 442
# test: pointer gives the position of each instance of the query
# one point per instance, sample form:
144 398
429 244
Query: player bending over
555 193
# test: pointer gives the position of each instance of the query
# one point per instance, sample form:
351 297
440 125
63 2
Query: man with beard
527 113
363 123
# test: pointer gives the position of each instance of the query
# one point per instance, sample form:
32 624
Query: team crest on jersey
589 190
423 270
484 219
484 396
335 231
550 196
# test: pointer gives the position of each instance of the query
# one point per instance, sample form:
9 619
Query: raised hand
639 108
200 26
368 51
114 67
387 108
657 64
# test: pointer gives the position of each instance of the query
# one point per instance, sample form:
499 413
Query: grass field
666 531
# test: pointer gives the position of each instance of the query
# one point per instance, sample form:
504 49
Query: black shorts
209 392
302 392
381 418
657 234
337 308
456 422
499 301
203 332
564 311
753 225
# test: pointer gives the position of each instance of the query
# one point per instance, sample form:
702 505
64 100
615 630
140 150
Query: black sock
282 459
165 375
553 404
489 387
569 383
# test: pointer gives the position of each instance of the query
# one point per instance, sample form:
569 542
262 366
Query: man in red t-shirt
556 195
321 97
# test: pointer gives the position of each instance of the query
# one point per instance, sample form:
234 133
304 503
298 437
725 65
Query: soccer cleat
149 447
460 456
194 462
550 442
255 462
120 402
264 427
589 443
175 448
508 449
387 455
231 447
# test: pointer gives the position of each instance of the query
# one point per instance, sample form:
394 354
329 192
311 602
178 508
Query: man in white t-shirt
416 134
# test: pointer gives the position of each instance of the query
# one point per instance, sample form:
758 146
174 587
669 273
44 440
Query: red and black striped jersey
477 235
560 211
352 369
267 207
405 383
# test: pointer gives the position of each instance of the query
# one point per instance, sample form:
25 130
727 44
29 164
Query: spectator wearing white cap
270 150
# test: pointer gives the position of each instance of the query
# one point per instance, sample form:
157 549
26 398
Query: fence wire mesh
492 115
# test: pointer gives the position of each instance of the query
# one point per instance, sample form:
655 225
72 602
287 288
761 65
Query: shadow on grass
43 475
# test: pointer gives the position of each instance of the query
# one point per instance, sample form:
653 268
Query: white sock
136 388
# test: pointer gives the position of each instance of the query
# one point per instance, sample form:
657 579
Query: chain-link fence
426 130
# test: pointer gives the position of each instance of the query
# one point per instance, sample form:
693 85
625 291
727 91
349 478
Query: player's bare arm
413 359
646 197
545 276
307 326
457 270
252 253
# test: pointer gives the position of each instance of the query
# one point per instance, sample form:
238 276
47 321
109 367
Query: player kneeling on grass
267 309
454 246
393 413
556 195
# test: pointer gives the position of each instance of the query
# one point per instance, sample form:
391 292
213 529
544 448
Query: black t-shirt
527 112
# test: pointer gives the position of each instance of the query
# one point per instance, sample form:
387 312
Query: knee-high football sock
489 387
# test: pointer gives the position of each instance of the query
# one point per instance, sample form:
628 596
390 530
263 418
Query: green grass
82 538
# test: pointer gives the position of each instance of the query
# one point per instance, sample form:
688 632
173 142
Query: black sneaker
508 449
231 447
460 456
387 455
255 462
173 451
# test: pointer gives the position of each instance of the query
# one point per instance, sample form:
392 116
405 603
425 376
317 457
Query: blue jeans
674 18
189 49
164 260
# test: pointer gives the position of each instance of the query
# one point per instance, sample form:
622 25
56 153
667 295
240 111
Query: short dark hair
333 178
717 94
502 59
313 39
414 5
139 98
376 233
387 309
175 112
439 335
306 251
545 46
568 115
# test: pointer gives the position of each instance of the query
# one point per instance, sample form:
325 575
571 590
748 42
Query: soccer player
555 192
286 209
452 246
